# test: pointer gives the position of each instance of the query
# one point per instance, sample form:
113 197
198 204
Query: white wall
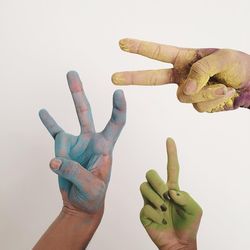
41 40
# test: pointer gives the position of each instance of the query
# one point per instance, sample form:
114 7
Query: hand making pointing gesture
171 217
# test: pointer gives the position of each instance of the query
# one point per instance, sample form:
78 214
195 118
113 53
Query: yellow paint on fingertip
124 44
170 142
118 78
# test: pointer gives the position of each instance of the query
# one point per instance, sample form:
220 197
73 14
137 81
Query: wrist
71 213
72 229
179 246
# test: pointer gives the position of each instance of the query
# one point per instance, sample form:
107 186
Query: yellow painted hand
211 79
171 217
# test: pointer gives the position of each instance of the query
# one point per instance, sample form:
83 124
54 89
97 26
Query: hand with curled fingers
170 216
83 162
211 79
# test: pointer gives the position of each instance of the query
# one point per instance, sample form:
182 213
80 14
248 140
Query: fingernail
221 91
124 44
230 91
164 221
163 208
191 86
72 75
166 196
55 164
173 193
117 78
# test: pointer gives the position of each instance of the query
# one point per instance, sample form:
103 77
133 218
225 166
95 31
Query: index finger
172 165
160 52
82 106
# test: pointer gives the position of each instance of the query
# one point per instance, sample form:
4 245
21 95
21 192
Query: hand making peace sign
212 79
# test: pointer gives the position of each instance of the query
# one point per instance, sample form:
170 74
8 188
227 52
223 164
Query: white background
41 40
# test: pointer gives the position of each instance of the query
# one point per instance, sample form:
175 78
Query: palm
83 149
93 151
180 225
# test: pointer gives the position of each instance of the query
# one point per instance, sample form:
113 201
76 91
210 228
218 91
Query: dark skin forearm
70 230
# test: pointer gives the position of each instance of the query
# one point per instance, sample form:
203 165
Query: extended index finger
160 52
172 165
82 106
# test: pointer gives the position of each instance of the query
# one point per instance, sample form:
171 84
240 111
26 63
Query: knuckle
153 80
200 67
180 96
119 117
157 51
228 53
69 170
143 211
198 107
146 209
83 108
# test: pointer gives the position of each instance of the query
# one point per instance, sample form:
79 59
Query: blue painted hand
83 163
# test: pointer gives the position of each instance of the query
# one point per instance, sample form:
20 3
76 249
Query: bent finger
149 194
157 183
207 93
73 172
202 70
149 215
220 104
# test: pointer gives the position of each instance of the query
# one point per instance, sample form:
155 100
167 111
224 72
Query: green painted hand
171 217
211 79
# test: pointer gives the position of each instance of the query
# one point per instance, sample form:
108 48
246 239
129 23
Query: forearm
71 230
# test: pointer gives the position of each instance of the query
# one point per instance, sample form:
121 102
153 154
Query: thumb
201 71
184 200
